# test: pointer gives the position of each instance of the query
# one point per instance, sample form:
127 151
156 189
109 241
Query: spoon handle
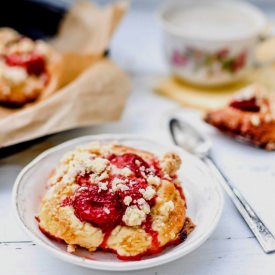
263 235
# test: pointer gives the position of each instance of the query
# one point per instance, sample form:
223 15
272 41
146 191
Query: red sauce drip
155 245
103 245
90 258
130 258
247 105
179 188
35 64
50 236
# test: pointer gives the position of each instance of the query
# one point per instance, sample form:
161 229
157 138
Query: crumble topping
96 165
148 193
98 178
15 75
119 184
166 208
255 120
103 186
171 163
106 210
25 46
153 180
143 205
70 248
125 172
268 118
127 200
133 216
250 92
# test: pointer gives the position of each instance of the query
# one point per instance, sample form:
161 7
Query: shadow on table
14 149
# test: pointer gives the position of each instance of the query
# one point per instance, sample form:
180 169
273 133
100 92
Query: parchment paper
91 88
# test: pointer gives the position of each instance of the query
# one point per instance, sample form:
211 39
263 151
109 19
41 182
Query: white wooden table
231 249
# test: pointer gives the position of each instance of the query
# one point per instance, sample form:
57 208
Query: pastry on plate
250 117
27 68
115 198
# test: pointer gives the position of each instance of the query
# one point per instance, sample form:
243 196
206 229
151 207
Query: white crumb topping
133 216
127 200
107 148
41 48
26 45
153 180
93 147
98 178
255 120
264 108
80 162
96 165
249 92
142 168
166 208
15 75
132 182
102 186
148 193
106 210
268 118
125 172
83 188
71 248
143 205
119 184
141 191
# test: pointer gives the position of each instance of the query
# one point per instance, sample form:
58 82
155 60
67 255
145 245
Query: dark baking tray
36 19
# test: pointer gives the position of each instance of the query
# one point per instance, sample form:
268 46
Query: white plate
203 194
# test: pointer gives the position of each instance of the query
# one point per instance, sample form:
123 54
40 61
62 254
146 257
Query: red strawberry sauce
247 105
34 64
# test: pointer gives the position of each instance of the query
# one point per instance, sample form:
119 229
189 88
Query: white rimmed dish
203 194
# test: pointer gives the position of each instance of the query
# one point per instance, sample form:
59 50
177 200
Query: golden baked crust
139 192
27 68
249 117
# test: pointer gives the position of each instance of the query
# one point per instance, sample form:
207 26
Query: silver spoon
193 141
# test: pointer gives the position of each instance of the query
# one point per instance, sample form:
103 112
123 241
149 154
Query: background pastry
27 68
250 116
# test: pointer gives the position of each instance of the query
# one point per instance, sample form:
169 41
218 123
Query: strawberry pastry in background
27 68
250 116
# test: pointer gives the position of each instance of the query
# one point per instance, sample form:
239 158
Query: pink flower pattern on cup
218 62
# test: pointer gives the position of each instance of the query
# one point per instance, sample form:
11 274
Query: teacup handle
267 34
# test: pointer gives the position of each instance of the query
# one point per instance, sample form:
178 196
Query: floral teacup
211 43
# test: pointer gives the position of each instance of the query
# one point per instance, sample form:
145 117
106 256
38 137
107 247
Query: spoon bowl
189 138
